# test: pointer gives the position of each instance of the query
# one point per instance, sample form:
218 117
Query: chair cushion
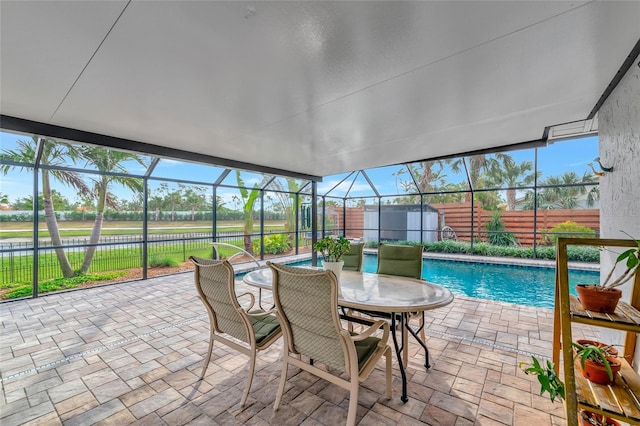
264 327
365 348
402 261
353 258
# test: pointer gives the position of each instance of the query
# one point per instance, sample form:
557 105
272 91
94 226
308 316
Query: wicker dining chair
257 329
354 257
307 307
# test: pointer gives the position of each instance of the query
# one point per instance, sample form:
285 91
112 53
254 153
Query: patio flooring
132 353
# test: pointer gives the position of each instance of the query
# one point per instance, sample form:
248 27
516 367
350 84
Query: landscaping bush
583 254
448 246
273 244
574 253
497 234
569 229
156 261
25 289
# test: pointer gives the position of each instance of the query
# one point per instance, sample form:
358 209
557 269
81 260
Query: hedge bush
574 253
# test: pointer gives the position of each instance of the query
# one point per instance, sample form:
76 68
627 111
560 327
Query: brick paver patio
132 353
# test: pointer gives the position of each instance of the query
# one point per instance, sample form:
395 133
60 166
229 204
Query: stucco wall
619 131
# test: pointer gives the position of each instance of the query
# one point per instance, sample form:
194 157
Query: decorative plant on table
604 297
332 249
551 383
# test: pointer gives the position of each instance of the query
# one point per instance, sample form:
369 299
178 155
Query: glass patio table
392 295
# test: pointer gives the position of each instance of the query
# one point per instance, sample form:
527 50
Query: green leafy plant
546 373
594 353
497 234
332 248
273 244
631 258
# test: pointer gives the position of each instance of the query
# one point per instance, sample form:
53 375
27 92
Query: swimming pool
523 285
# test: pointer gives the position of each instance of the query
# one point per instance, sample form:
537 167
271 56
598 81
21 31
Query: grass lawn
16 270
83 228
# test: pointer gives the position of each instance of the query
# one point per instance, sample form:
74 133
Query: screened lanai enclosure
76 214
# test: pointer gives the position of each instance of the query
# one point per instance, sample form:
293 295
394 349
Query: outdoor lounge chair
307 307
258 329
353 258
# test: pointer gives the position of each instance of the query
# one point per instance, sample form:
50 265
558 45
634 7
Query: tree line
498 171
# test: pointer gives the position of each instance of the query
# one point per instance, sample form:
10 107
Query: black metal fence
114 253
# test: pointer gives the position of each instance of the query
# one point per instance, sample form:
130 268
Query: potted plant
598 363
332 249
604 297
551 383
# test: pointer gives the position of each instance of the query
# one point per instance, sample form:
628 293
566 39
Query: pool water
523 285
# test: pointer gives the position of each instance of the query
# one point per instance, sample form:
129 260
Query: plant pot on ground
604 297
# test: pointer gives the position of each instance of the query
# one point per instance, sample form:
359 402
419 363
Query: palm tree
477 164
4 198
110 161
53 154
565 192
248 200
505 172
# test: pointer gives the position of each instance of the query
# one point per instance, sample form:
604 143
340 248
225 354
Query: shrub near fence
519 222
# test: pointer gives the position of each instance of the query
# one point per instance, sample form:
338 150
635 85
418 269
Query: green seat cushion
264 327
365 348
402 261
353 258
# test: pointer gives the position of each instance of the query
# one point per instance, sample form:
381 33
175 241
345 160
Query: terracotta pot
593 298
585 415
597 373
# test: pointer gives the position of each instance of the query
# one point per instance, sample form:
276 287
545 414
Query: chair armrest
372 329
251 297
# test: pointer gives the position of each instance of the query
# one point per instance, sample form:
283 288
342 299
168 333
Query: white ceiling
312 87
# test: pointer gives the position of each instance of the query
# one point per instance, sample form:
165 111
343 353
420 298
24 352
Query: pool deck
131 353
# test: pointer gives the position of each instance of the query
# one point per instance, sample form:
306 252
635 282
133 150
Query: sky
556 158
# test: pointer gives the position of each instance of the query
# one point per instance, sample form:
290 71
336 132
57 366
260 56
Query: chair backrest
307 307
215 282
353 258
403 261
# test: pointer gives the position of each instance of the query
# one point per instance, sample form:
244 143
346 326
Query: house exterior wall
619 131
